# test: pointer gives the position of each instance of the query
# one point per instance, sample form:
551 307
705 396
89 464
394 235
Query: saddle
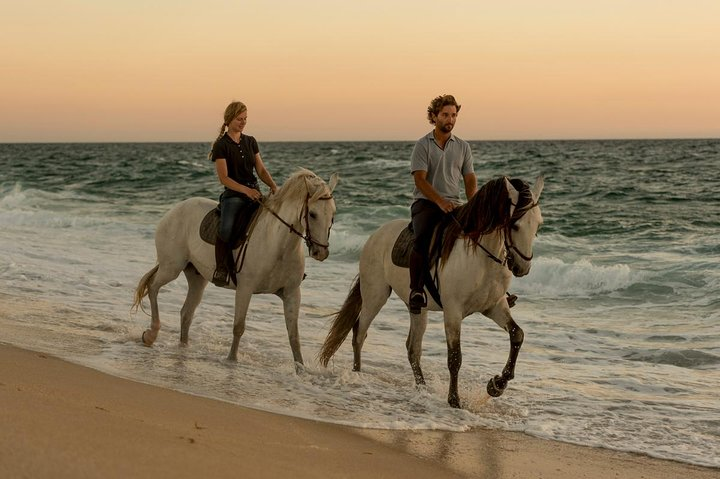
401 257
210 225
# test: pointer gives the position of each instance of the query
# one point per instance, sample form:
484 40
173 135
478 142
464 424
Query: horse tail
142 288
344 321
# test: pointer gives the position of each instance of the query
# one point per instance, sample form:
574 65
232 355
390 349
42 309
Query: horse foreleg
452 335
418 324
242 302
291 306
496 386
196 287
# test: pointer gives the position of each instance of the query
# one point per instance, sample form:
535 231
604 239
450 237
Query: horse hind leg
374 298
161 276
196 288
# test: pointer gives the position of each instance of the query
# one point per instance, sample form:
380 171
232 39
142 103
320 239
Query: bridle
309 241
507 240
509 245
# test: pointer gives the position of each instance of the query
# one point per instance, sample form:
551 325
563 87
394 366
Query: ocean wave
15 196
554 277
685 358
346 244
30 207
49 219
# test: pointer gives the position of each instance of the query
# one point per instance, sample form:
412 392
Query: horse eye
313 215
515 228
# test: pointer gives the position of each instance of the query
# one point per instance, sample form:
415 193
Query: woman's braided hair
231 112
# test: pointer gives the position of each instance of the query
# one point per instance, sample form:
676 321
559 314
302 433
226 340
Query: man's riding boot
417 299
220 278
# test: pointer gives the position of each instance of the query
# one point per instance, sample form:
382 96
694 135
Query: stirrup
511 298
417 301
220 278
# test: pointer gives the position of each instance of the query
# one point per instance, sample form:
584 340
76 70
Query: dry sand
60 420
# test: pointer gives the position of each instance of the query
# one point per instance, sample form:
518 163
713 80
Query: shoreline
65 420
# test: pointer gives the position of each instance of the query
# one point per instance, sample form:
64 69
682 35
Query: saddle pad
210 225
402 248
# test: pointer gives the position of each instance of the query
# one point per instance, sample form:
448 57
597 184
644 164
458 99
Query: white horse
489 240
273 261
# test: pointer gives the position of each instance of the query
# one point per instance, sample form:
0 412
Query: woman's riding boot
220 277
417 299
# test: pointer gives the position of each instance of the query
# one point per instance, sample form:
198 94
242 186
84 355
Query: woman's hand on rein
253 194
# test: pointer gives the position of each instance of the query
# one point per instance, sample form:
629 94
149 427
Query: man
438 162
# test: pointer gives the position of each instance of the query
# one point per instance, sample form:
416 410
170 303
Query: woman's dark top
240 158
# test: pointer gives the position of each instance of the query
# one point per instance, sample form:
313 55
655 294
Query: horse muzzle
518 268
319 253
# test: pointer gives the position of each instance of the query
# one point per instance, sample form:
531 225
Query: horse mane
301 183
525 200
486 212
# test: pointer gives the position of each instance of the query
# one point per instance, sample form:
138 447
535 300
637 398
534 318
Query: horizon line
486 140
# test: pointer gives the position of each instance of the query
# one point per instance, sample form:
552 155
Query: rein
477 243
306 210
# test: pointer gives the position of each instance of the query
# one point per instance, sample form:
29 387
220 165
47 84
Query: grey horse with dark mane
489 240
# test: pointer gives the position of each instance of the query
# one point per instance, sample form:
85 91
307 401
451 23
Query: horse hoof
496 386
146 342
454 402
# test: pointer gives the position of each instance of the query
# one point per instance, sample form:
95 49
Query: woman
235 156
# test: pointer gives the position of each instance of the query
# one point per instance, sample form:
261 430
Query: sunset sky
161 70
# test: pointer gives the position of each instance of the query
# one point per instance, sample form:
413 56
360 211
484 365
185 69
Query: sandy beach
62 420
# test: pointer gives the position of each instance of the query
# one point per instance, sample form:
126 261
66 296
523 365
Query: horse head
525 220
306 196
319 214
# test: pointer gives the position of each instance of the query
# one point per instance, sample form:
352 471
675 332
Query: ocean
621 310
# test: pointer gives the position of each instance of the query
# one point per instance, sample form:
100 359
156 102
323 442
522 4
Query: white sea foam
552 277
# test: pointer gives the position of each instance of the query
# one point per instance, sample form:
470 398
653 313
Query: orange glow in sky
160 70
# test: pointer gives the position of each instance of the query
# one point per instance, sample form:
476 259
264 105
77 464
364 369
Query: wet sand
61 420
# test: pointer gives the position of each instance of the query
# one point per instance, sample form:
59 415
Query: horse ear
334 178
537 189
513 194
